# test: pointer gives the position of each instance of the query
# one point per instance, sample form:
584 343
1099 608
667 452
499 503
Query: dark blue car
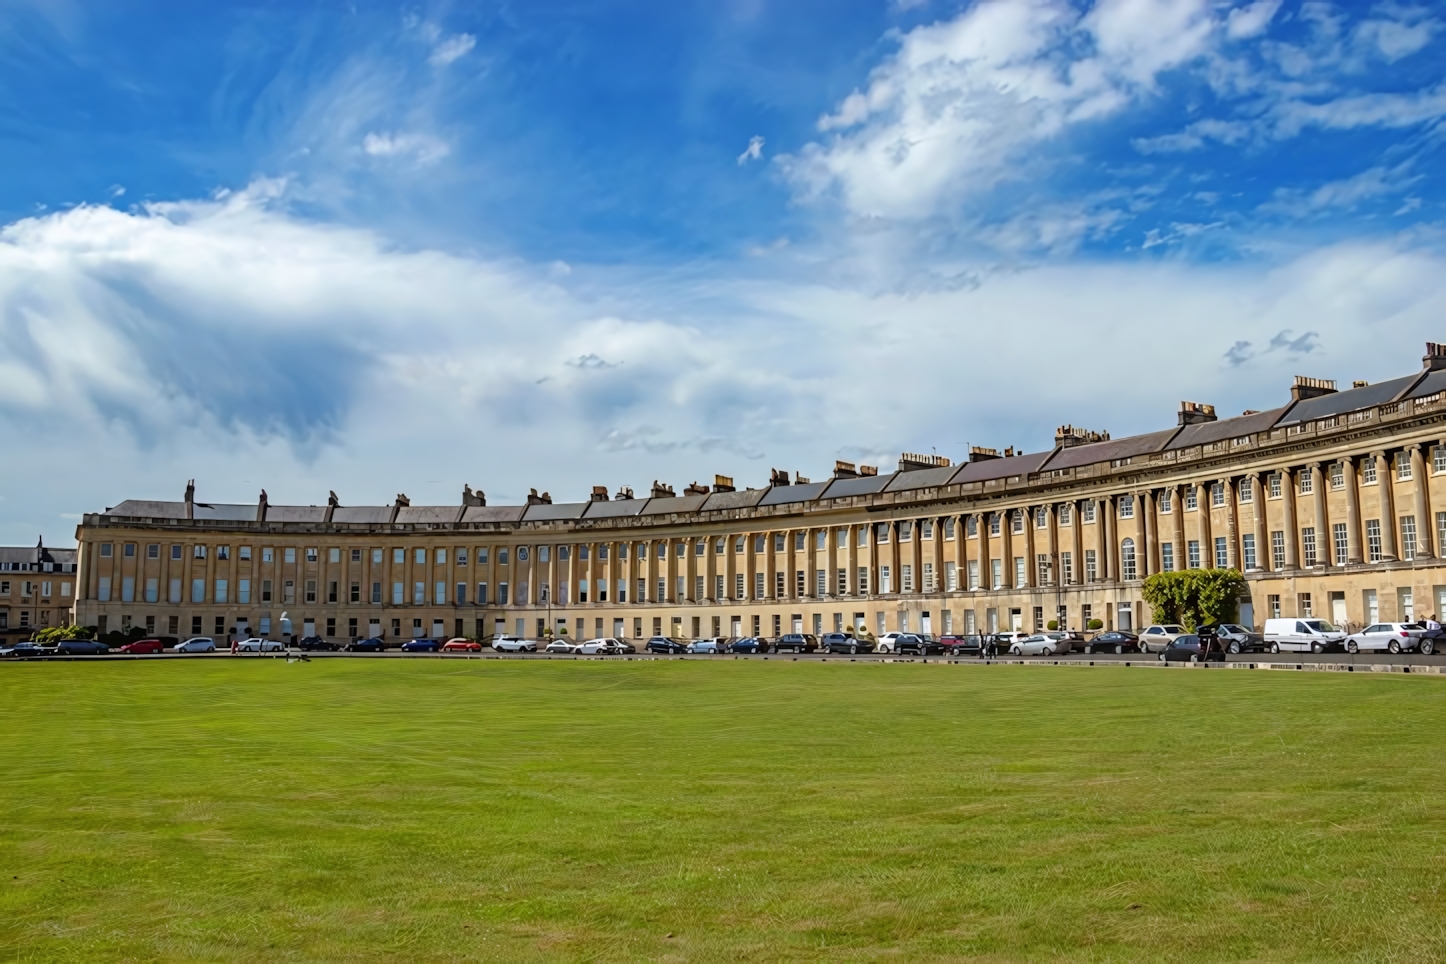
422 646
749 644
374 645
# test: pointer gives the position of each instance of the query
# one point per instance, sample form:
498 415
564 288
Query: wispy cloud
752 152
452 49
421 148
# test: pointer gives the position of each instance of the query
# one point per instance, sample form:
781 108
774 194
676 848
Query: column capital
1414 448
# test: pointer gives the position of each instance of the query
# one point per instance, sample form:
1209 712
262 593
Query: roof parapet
913 462
1192 413
1305 387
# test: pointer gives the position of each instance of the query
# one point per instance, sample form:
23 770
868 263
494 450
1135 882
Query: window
198 590
1127 507
290 554
1041 569
698 587
1247 550
906 578
377 593
1340 541
1166 501
971 571
1092 571
881 534
1307 481
397 593
971 526
906 531
356 555
1307 545
821 582
718 590
288 591
994 524
1127 559
798 587
419 556
1373 540
130 550
243 591
1403 466
1222 553
1408 537
1066 567
1041 518
1192 498
1368 470
176 552
482 555
951 577
778 587
502 555
128 589
153 551
1272 606
221 590
1192 554
153 590
948 529
739 589
737 545
996 574
197 552
355 593
311 554
1217 494
311 590
1438 458
1019 572
1275 485
1066 514
481 598
502 593
1247 490
758 578
1277 549
1089 511
105 550
863 580
1303 600
843 582
717 547
1016 522
1167 556
1338 476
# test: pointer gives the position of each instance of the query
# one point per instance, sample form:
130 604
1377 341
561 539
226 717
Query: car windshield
1320 625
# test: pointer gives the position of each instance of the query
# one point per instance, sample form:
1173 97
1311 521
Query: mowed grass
430 810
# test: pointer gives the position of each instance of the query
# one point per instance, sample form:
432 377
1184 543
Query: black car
844 643
918 644
954 645
1114 641
665 645
748 644
796 643
1190 649
1237 639
374 645
313 644
22 650
80 647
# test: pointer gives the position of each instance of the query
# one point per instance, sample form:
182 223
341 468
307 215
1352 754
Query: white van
1307 635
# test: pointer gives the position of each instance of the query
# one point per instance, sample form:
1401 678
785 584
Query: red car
143 647
460 645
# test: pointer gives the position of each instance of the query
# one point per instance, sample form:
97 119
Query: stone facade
37 589
1333 505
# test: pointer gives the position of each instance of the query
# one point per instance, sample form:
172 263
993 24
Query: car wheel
1352 647
1235 647
1161 657
1047 652
854 650
1120 650
1394 647
1316 648
1194 658
1275 649
1427 647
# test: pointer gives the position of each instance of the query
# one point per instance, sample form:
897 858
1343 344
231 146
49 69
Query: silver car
258 645
711 645
1040 644
1391 637
197 644
514 644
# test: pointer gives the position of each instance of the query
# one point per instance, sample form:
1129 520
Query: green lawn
430 810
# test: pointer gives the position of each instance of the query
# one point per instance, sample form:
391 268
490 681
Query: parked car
1114 641
844 643
666 645
374 644
560 646
748 644
143 647
258 645
1156 638
1240 639
712 645
1189 649
1039 644
796 643
1391 637
315 644
917 644
955 644
513 644
1008 639
886 642
606 646
459 645
197 644
21 650
422 645
1302 635
80 647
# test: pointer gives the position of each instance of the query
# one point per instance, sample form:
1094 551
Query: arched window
1127 559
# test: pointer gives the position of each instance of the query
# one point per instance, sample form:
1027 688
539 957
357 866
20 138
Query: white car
513 644
888 642
714 646
600 647
1040 644
197 644
1158 638
560 646
258 645
1391 637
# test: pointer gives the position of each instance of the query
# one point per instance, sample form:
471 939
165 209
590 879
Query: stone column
1051 545
1203 502
1386 494
1031 565
1325 545
1287 509
895 556
1421 504
1177 507
1354 555
851 577
1148 563
1006 548
1262 536
1077 523
937 556
1109 568
1232 524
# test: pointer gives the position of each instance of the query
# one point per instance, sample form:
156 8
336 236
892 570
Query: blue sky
379 248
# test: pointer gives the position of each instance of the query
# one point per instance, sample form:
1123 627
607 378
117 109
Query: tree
56 634
1195 596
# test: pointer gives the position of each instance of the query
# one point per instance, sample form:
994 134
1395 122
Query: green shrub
1194 596
1052 625
1095 624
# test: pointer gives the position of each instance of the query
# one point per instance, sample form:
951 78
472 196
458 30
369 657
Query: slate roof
922 478
988 469
288 513
616 509
560 511
149 509
493 513
1433 382
362 514
862 485
1116 448
791 494
1351 400
742 499
1204 433
679 503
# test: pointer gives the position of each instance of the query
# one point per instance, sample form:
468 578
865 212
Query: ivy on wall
1195 596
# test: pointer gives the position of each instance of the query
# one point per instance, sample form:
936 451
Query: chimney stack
779 477
661 491
190 498
625 492
1192 413
912 462
723 483
261 506
1311 387
1067 436
599 493
1435 359
866 471
845 470
696 489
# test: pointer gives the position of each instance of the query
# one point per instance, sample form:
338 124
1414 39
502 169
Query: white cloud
753 151
451 49
422 148
1194 137
1346 193
1251 21
229 341
969 103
